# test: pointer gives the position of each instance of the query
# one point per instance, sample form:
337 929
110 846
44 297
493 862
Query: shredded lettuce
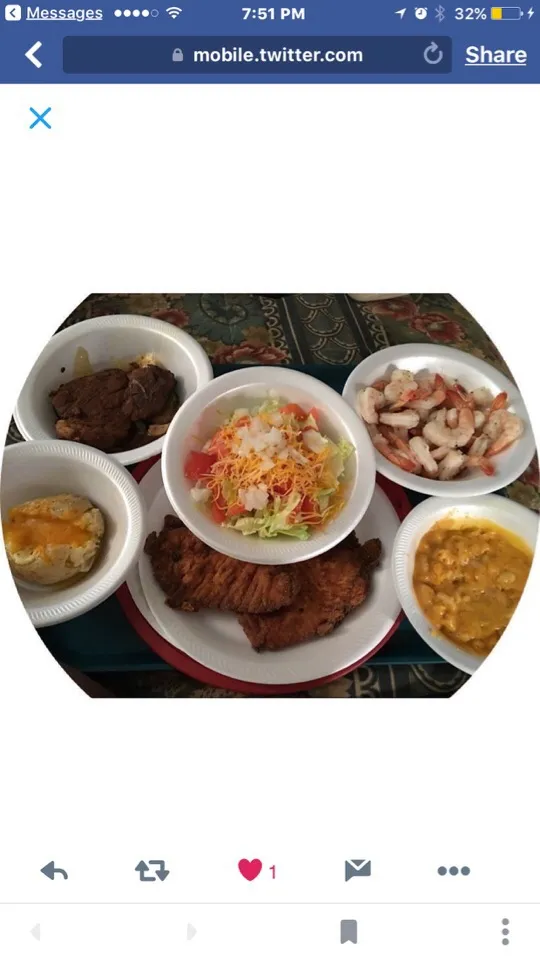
273 521
341 451
228 490
345 448
269 406
323 498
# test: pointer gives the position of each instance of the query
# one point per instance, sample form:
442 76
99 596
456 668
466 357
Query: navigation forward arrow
30 54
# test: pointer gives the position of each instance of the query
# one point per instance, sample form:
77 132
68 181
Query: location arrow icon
30 54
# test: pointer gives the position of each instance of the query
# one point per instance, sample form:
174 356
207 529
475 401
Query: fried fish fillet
331 586
194 576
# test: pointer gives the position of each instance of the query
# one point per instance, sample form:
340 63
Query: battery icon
506 13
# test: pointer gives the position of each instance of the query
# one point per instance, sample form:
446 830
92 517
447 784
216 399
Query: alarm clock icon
420 13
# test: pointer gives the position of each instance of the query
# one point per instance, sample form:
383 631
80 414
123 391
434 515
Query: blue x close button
40 118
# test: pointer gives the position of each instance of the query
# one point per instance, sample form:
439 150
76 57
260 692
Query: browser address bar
233 55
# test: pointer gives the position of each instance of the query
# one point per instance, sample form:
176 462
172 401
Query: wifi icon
174 12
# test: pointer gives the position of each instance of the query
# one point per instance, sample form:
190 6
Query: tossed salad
270 471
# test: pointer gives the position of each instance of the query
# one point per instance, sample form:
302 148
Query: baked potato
52 539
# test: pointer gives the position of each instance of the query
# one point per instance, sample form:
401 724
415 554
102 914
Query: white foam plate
506 513
472 373
217 641
48 467
199 418
109 340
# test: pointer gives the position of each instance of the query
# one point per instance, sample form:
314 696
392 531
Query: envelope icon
357 868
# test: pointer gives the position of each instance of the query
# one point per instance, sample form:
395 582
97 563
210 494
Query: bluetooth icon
440 13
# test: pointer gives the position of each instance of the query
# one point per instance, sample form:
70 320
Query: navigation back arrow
30 54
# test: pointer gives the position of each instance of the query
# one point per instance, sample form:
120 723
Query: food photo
285 495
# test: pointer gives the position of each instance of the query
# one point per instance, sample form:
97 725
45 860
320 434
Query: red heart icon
249 868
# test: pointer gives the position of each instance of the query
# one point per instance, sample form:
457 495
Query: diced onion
254 498
314 441
200 494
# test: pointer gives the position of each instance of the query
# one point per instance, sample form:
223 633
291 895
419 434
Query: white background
238 189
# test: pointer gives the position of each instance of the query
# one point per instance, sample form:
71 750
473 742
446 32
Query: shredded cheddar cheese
268 453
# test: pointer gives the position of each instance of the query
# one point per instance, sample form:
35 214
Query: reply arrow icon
30 54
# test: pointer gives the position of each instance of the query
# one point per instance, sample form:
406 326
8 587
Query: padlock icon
177 56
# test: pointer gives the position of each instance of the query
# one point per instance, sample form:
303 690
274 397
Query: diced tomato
242 421
219 510
236 510
316 414
295 410
281 490
309 506
198 465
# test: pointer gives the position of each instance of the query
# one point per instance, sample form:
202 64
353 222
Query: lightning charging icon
530 12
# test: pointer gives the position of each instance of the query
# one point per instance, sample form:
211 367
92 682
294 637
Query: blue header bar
321 41
244 55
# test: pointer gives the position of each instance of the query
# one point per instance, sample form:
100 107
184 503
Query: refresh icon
433 54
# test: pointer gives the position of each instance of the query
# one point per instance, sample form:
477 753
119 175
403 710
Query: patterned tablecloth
301 329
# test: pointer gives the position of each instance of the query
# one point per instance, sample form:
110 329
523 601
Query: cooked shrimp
499 402
399 459
439 453
452 418
421 451
494 424
479 419
402 433
459 397
452 464
440 435
410 395
432 425
512 429
368 402
391 434
482 463
401 375
482 397
406 418
438 396
400 390
479 446
438 415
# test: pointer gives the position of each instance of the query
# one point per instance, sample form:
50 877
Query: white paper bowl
472 373
506 513
199 418
49 467
106 340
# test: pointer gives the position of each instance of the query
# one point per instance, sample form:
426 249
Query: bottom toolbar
169 930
